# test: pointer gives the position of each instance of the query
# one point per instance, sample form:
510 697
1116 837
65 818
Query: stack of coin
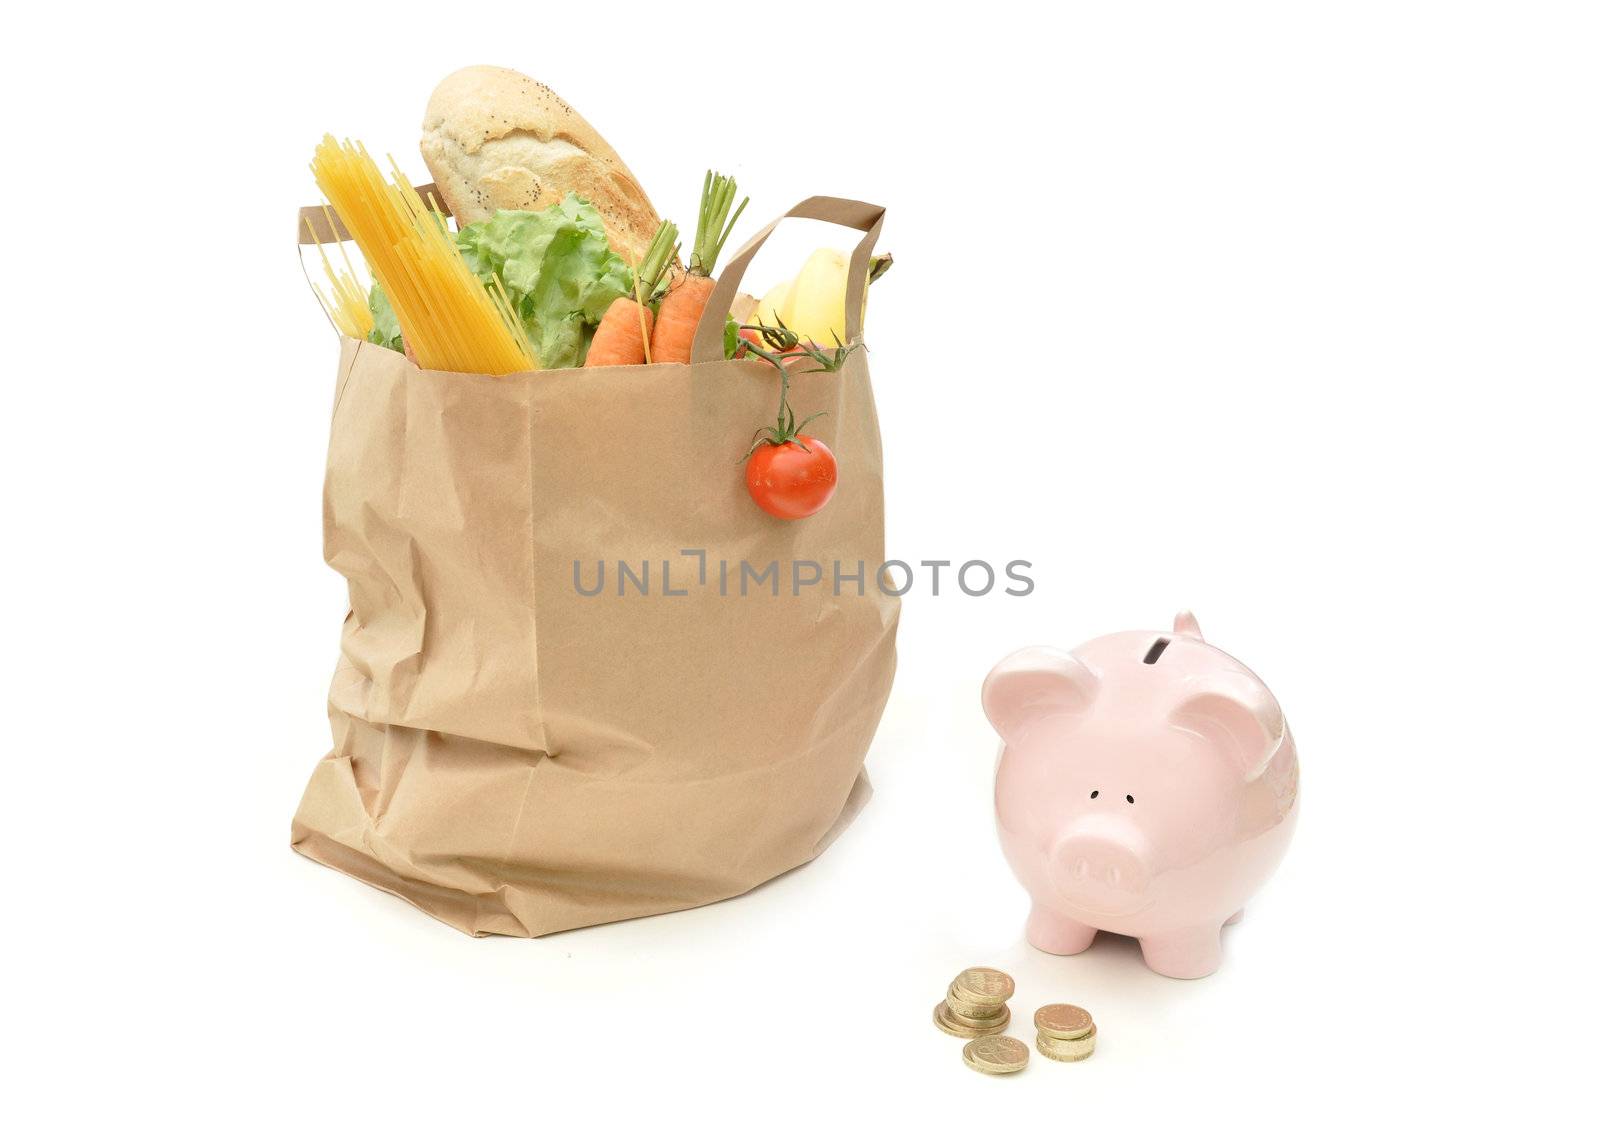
1066 1033
975 1004
995 1054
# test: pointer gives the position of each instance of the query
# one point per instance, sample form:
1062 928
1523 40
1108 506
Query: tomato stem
777 344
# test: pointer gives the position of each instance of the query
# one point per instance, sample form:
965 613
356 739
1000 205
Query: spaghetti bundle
348 307
449 320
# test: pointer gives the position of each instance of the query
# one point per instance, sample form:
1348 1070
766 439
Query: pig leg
1189 954
1056 934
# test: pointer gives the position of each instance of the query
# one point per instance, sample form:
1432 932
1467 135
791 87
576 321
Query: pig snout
1102 871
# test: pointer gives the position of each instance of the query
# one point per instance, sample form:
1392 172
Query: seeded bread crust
493 138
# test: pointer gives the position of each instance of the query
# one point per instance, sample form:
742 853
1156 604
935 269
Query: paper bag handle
311 224
845 212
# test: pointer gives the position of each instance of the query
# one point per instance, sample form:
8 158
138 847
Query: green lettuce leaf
385 326
558 271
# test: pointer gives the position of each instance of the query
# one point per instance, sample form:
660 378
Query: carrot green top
663 249
716 197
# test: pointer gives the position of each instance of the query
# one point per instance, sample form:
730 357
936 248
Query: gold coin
995 1054
970 1028
968 999
962 1029
1067 1050
994 1022
984 985
1062 1021
962 1009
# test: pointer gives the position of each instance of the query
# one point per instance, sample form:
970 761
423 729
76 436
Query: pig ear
1186 626
1237 713
1033 683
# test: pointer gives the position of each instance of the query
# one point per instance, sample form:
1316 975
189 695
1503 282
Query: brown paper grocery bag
516 754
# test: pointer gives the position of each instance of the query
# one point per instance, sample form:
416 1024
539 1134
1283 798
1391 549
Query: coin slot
1156 650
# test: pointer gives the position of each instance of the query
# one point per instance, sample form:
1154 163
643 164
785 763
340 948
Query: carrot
686 298
623 336
619 340
680 318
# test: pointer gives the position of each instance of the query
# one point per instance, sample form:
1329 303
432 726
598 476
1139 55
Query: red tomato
790 482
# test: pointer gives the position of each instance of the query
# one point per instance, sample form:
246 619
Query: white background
1283 313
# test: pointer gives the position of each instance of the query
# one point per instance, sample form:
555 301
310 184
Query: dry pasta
449 320
347 307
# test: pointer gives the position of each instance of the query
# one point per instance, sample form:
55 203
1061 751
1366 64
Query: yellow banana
812 303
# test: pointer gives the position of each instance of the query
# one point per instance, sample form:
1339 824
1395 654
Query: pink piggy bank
1146 787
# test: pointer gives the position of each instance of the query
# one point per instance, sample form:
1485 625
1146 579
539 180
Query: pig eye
1095 795
1130 799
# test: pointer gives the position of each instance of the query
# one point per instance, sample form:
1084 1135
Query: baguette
493 138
